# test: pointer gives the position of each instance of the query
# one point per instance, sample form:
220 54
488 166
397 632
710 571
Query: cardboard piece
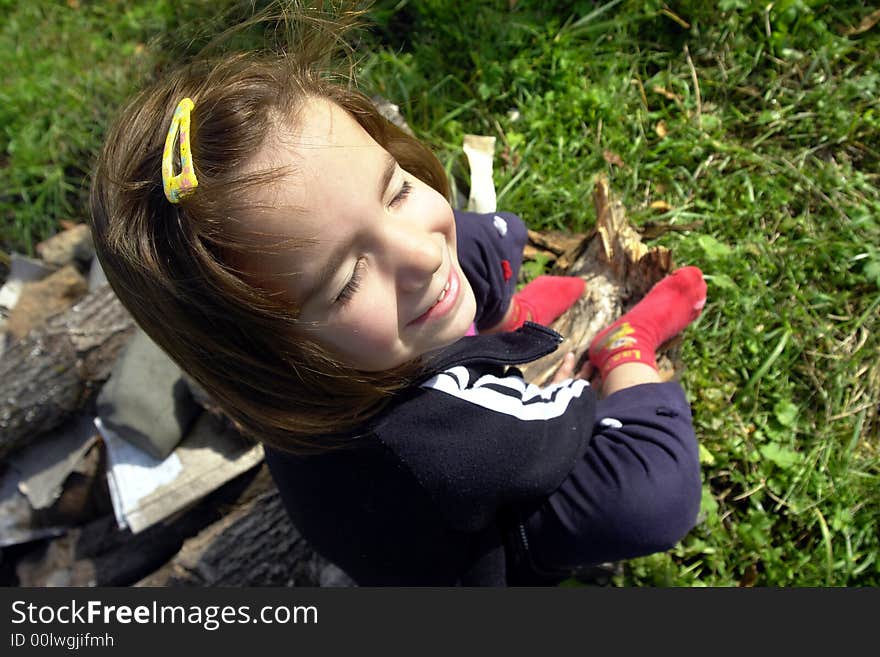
46 468
145 489
21 270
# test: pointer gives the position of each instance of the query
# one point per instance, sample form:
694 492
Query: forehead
326 143
330 171
328 162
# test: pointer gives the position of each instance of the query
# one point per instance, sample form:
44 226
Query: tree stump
619 270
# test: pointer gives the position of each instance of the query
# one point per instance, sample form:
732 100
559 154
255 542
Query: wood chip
555 241
613 158
669 95
866 24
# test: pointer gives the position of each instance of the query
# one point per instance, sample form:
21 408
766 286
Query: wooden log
619 270
58 368
255 545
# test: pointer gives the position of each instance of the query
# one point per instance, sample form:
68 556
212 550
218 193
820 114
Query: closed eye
351 287
405 189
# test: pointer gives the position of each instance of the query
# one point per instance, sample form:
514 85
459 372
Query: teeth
442 294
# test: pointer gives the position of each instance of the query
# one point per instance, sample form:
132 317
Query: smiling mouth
445 300
442 293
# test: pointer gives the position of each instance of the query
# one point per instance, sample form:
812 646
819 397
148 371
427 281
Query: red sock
666 310
544 299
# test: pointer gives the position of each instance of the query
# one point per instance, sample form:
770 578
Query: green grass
62 67
759 127
754 123
65 67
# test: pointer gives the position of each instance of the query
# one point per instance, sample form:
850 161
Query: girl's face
378 272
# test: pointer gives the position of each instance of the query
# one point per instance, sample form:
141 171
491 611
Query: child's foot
666 310
543 300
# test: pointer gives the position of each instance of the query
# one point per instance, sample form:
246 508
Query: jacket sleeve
637 488
478 442
490 248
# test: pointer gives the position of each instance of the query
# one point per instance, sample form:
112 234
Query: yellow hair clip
176 187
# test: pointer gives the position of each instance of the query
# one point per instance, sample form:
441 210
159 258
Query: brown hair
171 266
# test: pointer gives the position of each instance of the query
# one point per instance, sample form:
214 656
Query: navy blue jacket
437 488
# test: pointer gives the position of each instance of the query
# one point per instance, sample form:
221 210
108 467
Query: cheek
369 327
430 205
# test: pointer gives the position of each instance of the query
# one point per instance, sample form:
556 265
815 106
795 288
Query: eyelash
405 189
355 281
352 286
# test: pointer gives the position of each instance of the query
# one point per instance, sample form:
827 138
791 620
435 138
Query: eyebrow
390 168
334 261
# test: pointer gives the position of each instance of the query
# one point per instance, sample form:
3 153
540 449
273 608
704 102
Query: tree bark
58 368
619 270
254 545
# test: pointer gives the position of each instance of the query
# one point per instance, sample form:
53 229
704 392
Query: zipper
529 560
529 343
523 538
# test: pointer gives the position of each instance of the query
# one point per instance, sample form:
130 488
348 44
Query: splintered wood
619 270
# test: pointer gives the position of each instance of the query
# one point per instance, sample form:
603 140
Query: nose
416 253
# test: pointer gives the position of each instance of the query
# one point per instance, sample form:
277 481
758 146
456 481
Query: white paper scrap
132 473
480 151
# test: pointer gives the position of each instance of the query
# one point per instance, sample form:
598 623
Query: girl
295 253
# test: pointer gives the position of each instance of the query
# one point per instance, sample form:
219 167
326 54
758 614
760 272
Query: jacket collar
524 345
